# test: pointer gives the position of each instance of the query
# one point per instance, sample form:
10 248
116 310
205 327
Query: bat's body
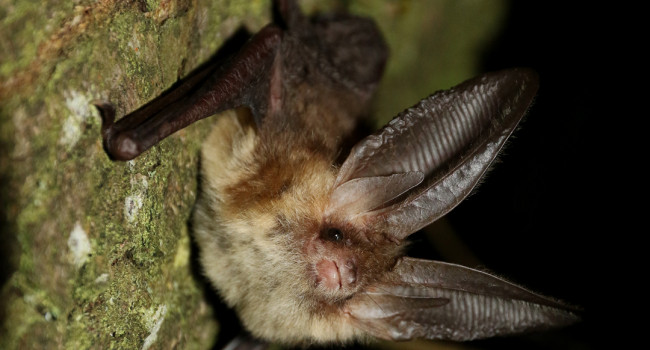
262 207
304 240
265 203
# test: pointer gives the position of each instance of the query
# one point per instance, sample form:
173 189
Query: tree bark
98 254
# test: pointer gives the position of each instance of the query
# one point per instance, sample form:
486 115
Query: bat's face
340 258
281 205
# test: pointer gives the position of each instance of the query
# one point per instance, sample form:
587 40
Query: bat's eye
332 234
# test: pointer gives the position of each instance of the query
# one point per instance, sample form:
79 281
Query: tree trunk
96 253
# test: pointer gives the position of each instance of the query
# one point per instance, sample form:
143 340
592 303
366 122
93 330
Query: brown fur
258 224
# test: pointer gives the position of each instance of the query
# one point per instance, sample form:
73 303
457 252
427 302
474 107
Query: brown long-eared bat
303 236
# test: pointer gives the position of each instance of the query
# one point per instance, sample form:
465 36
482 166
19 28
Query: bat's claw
118 145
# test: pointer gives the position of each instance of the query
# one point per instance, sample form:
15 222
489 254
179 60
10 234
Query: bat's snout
335 275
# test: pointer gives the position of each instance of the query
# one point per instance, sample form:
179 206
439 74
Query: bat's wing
244 81
431 156
436 300
346 51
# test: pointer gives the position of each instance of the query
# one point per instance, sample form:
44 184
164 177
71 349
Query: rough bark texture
97 254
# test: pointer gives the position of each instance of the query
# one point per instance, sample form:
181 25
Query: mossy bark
96 253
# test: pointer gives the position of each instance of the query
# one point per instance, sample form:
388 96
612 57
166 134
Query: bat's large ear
430 157
436 300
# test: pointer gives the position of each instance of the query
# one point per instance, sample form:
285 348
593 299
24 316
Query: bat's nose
328 274
336 274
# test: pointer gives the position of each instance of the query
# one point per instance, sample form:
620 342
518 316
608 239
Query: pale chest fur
252 248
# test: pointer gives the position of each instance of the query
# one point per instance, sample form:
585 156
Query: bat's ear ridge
450 137
437 300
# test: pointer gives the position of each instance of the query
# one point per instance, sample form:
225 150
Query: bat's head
281 197
265 235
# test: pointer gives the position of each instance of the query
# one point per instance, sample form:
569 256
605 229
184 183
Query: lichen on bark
96 253
100 254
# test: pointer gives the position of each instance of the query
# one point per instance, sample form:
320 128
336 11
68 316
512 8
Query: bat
302 225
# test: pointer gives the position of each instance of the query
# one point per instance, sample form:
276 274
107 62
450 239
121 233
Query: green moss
24 25
152 4
64 177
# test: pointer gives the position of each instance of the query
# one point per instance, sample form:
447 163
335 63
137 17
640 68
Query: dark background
544 215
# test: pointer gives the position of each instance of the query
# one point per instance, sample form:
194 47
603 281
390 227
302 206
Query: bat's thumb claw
106 112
